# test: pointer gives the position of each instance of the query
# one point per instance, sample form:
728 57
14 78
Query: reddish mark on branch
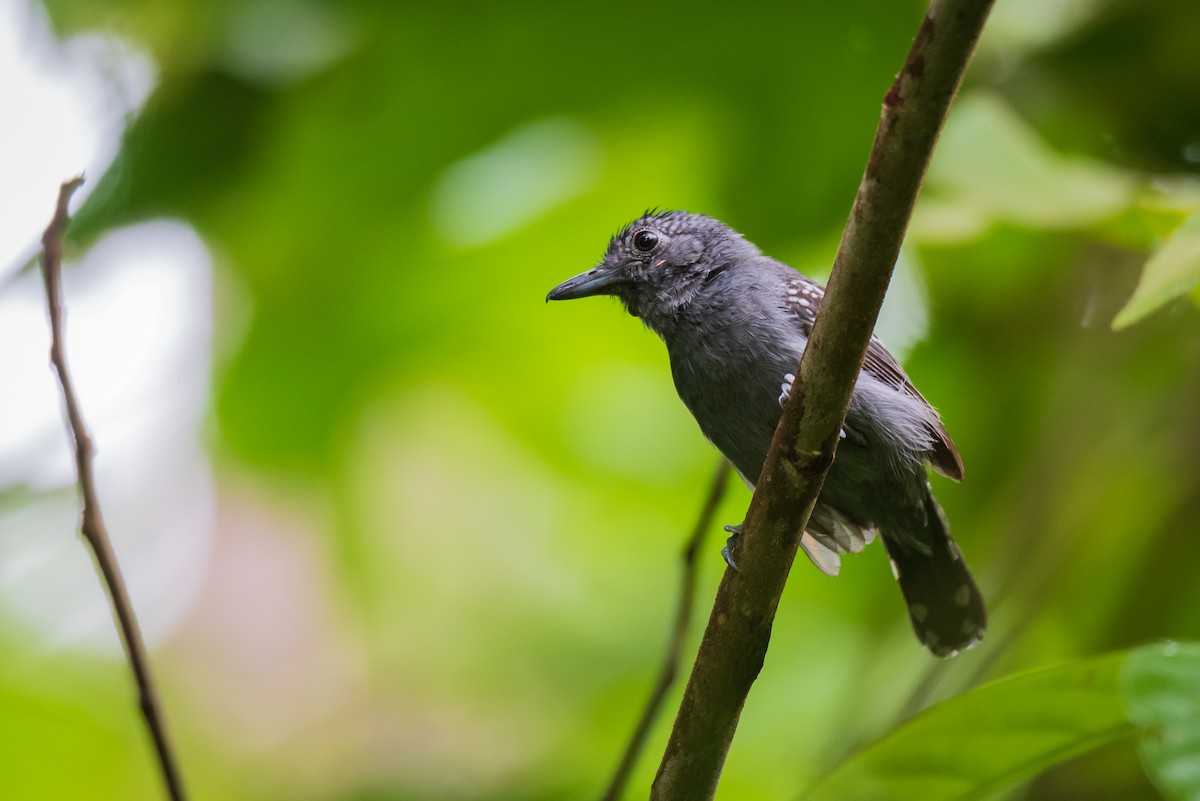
893 96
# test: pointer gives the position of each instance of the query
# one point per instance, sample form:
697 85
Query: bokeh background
398 529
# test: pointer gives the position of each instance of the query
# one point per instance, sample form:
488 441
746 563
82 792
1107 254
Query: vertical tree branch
93 528
683 622
739 629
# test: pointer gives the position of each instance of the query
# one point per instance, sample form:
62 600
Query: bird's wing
804 297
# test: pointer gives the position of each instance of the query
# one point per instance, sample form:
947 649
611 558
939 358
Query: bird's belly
738 411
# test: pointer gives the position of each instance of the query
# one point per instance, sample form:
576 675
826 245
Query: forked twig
93 528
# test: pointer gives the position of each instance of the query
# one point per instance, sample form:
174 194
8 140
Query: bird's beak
596 281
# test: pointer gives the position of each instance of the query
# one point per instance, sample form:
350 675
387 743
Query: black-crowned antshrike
735 323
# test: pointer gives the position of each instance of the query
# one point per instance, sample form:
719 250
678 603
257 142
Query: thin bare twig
93 528
739 629
683 621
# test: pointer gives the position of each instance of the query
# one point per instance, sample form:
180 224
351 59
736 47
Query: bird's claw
730 544
785 389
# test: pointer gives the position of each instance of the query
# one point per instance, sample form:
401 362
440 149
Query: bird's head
658 263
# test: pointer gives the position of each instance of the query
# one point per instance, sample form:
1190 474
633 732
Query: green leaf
1162 687
1008 731
989 738
1170 272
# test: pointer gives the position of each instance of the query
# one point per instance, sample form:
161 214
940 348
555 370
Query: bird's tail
945 605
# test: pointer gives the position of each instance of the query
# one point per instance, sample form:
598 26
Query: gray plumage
735 323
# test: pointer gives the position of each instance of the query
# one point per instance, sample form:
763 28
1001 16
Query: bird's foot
785 389
730 544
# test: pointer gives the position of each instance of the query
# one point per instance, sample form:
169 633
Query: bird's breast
729 378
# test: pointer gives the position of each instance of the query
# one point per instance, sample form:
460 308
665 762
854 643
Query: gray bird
735 323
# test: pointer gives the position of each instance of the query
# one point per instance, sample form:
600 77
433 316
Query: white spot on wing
954 551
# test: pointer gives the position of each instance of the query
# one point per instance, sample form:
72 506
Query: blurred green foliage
493 492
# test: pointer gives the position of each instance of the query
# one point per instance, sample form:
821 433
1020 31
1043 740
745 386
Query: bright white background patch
64 107
138 329
138 333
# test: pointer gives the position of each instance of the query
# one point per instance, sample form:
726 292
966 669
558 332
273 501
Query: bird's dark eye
645 241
